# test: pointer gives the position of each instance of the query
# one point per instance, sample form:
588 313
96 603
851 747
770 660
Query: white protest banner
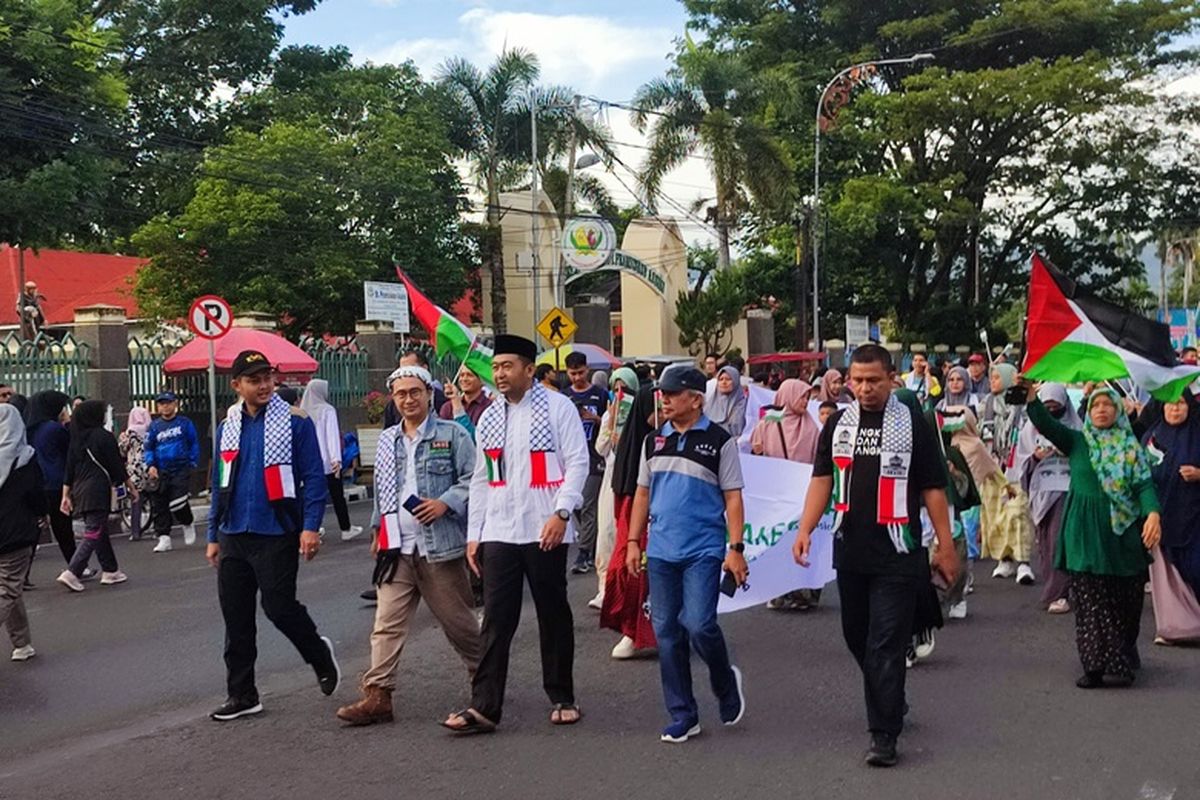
756 397
774 500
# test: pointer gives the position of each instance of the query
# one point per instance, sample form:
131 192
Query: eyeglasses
404 394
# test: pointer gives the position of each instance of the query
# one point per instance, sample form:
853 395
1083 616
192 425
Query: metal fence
147 379
31 366
344 366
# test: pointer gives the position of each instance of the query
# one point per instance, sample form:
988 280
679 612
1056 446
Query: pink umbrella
286 357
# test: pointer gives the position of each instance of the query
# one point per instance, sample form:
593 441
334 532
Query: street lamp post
816 231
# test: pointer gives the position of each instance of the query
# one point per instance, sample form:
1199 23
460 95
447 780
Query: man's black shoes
233 708
883 751
329 674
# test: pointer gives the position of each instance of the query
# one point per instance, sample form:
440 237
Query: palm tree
491 122
705 104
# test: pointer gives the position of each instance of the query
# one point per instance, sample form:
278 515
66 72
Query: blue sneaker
680 731
734 708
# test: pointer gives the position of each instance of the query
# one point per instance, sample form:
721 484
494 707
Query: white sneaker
88 574
1025 575
1060 606
109 578
926 641
164 545
958 611
24 653
597 602
624 649
70 580
353 531
1004 569
189 534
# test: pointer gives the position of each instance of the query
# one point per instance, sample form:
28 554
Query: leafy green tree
1037 125
706 317
708 103
351 176
56 169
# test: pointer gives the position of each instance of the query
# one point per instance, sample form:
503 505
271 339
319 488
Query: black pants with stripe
171 500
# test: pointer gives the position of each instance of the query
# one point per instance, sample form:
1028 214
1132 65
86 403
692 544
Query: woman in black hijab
47 432
1174 447
625 595
94 469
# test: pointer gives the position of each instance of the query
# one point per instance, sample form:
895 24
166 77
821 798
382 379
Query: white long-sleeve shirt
515 513
329 437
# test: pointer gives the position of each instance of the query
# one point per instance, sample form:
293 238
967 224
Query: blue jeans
683 608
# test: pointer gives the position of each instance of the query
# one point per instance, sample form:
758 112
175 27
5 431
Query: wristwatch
563 514
737 547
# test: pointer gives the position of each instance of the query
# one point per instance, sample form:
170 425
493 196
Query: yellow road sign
557 327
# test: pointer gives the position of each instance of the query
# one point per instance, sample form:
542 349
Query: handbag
116 493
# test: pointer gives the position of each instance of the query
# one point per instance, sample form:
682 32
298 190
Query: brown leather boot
375 706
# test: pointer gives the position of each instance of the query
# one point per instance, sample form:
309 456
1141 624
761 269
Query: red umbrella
283 355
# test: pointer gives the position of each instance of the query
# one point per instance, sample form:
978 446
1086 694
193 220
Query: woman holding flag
624 385
1110 521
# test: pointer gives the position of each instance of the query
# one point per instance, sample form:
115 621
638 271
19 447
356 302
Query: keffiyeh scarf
895 462
545 470
277 448
387 557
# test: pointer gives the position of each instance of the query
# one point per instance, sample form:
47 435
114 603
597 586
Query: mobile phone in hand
410 505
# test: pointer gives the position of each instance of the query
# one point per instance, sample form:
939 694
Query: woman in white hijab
315 403
24 505
1046 475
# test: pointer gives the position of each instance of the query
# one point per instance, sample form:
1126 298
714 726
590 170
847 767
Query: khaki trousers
447 589
13 567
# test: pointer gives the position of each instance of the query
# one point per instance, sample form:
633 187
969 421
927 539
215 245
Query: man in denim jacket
422 480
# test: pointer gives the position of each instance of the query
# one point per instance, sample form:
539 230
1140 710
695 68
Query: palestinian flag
226 474
449 336
1073 336
389 537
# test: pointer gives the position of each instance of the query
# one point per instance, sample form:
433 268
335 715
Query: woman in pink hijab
833 388
792 434
132 444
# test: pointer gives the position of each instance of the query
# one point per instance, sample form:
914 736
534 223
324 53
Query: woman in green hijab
1110 522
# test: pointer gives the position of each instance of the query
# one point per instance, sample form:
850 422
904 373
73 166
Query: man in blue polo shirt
690 494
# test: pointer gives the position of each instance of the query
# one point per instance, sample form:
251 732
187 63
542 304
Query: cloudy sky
606 50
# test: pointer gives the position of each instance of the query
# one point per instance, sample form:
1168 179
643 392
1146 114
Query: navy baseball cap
683 379
166 397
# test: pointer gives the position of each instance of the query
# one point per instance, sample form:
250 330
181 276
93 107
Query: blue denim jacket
443 473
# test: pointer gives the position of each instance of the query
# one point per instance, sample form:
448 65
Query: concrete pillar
102 329
378 338
835 353
255 320
760 332
595 323
918 347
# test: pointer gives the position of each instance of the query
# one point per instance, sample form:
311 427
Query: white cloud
591 53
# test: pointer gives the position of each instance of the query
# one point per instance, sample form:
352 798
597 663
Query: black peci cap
250 362
509 345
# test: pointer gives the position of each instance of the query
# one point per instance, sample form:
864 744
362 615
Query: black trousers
251 563
337 496
877 622
171 500
60 524
506 567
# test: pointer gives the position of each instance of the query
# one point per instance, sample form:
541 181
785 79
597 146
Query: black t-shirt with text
595 400
863 545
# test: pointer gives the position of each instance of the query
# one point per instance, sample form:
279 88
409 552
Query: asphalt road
115 704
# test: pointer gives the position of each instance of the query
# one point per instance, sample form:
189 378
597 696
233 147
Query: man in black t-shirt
592 402
883 469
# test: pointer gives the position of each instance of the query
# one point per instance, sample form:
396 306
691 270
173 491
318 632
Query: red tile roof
68 280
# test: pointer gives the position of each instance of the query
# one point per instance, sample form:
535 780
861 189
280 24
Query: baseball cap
166 397
976 358
683 379
250 362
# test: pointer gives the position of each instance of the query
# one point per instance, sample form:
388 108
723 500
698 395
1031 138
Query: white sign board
858 330
387 302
